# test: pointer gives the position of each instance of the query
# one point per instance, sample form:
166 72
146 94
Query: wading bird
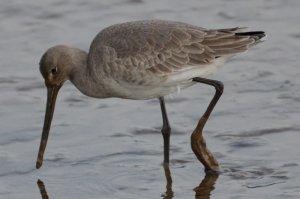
144 60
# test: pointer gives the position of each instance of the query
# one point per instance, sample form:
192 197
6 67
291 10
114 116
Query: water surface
112 148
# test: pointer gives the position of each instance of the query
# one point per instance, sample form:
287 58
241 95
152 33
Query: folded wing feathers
202 59
224 41
223 52
233 45
165 52
195 48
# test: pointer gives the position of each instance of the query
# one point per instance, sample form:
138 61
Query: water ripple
156 131
261 132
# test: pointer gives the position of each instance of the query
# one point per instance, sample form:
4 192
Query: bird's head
55 67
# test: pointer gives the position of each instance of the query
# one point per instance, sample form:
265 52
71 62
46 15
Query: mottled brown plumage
146 53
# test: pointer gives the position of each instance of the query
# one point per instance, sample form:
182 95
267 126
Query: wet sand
113 148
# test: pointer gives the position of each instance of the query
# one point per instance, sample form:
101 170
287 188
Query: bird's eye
54 70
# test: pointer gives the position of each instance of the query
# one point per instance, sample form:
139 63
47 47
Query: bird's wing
162 47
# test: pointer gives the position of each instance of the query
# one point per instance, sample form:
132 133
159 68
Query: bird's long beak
51 98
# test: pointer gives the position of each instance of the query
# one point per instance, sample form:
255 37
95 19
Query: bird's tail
256 35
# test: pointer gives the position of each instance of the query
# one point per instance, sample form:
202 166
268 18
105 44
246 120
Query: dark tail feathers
256 34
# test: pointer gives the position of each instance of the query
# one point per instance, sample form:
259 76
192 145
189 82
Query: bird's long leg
197 140
166 130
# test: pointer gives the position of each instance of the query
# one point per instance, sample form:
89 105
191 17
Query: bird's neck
83 78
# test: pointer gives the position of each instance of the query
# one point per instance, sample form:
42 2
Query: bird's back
156 57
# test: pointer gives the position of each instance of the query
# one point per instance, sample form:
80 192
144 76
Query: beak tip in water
38 164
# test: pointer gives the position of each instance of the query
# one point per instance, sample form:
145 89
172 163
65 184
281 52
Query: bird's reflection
203 191
42 189
169 192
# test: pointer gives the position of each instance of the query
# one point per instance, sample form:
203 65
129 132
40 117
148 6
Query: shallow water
112 148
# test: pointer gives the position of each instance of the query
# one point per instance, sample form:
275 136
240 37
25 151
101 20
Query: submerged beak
51 98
